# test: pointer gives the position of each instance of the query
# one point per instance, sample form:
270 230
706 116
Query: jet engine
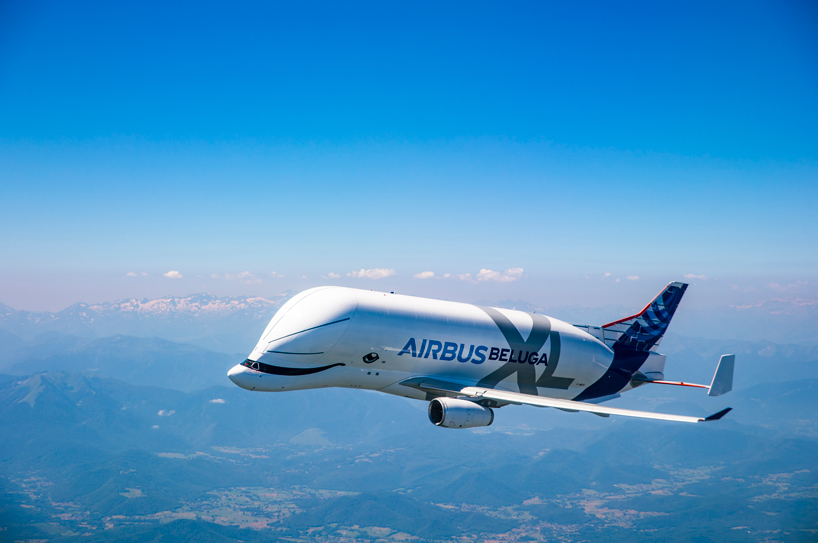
454 413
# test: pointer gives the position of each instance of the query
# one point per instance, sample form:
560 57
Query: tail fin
643 331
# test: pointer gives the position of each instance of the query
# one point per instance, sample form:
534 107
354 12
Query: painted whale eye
370 358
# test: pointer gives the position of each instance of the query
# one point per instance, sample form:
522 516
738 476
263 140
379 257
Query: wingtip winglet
717 416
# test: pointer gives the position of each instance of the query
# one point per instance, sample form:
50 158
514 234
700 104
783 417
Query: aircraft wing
570 405
449 388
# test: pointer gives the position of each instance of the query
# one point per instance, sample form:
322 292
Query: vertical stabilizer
643 331
633 340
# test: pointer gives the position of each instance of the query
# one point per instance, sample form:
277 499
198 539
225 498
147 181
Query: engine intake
455 413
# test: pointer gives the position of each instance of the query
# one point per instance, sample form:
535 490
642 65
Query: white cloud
247 278
217 400
511 274
617 280
694 276
155 426
173 274
375 273
606 274
244 277
632 278
163 413
798 286
274 274
332 275
131 274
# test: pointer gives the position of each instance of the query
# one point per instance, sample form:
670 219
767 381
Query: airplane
466 360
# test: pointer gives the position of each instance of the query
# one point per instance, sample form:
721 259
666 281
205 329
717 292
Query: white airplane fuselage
342 337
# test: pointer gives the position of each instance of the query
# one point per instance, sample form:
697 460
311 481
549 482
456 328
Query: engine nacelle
454 413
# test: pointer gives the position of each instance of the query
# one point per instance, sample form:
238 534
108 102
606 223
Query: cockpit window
251 364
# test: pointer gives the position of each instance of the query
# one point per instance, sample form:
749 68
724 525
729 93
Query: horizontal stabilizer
723 378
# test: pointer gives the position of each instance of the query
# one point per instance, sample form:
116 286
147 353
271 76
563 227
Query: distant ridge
136 360
232 324
199 305
227 324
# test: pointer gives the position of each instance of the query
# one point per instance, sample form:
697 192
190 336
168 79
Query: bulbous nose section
235 374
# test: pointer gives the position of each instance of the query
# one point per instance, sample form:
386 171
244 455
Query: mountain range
90 455
118 423
137 360
233 324
227 324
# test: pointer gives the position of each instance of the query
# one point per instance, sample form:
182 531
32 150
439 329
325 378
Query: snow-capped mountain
227 324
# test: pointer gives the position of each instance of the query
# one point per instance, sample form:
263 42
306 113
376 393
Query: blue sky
231 141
